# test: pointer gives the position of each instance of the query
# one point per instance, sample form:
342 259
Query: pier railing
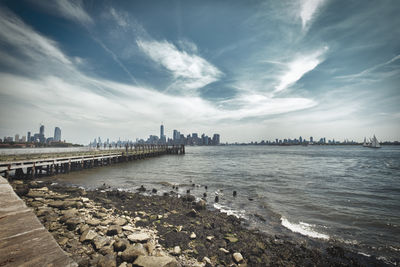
50 164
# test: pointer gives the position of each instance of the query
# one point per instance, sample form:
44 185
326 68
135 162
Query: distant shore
184 231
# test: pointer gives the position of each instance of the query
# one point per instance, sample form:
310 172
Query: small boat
373 143
365 142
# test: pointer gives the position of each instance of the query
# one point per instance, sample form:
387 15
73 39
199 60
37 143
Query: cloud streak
297 68
190 71
308 9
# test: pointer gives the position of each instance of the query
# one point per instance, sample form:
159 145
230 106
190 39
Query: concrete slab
23 239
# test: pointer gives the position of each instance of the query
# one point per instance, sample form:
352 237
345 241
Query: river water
349 194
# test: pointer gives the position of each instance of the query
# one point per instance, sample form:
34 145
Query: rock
120 245
192 235
120 221
154 261
35 194
209 238
87 235
106 222
177 251
107 261
114 230
141 189
179 228
124 264
237 257
132 252
192 213
62 241
216 199
207 260
83 228
234 193
224 250
201 205
154 190
129 228
188 198
150 245
85 199
139 237
231 238
100 241
71 223
21 189
93 222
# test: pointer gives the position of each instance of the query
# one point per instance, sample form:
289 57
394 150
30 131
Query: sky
248 70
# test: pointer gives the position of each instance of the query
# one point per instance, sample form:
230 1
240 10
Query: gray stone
224 250
83 228
120 245
107 261
114 230
154 261
100 241
132 252
201 205
93 222
192 236
87 235
139 237
120 221
177 251
128 228
71 223
237 257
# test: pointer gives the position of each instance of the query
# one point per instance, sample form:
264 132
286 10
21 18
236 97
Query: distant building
311 139
16 138
23 139
41 130
57 134
301 139
215 139
176 135
29 137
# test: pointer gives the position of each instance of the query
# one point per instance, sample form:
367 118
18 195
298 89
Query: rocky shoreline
114 228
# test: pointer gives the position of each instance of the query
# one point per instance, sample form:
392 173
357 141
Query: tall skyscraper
29 137
16 138
215 139
41 130
161 131
57 134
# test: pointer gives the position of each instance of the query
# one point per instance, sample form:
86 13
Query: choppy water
346 193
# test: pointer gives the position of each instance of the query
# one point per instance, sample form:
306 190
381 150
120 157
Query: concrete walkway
23 239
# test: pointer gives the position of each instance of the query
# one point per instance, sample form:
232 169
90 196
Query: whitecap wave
303 228
229 211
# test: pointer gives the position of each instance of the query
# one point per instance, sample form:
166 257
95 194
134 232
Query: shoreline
182 229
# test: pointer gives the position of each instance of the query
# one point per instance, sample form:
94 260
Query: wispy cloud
369 71
71 9
308 9
14 32
190 71
296 69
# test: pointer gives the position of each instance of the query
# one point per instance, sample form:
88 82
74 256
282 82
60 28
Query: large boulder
154 261
132 252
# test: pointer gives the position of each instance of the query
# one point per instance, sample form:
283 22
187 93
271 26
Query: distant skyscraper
57 134
29 137
215 139
176 135
161 131
311 139
41 130
301 139
16 138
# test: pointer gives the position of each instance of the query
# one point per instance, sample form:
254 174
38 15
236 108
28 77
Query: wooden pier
47 164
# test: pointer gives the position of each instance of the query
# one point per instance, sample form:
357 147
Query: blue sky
249 70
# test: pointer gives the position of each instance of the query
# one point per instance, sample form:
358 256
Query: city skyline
248 71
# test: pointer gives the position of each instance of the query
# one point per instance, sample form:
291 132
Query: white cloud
119 18
298 67
73 9
28 42
189 70
308 8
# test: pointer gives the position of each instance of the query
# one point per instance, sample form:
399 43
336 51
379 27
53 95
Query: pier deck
31 166
23 239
